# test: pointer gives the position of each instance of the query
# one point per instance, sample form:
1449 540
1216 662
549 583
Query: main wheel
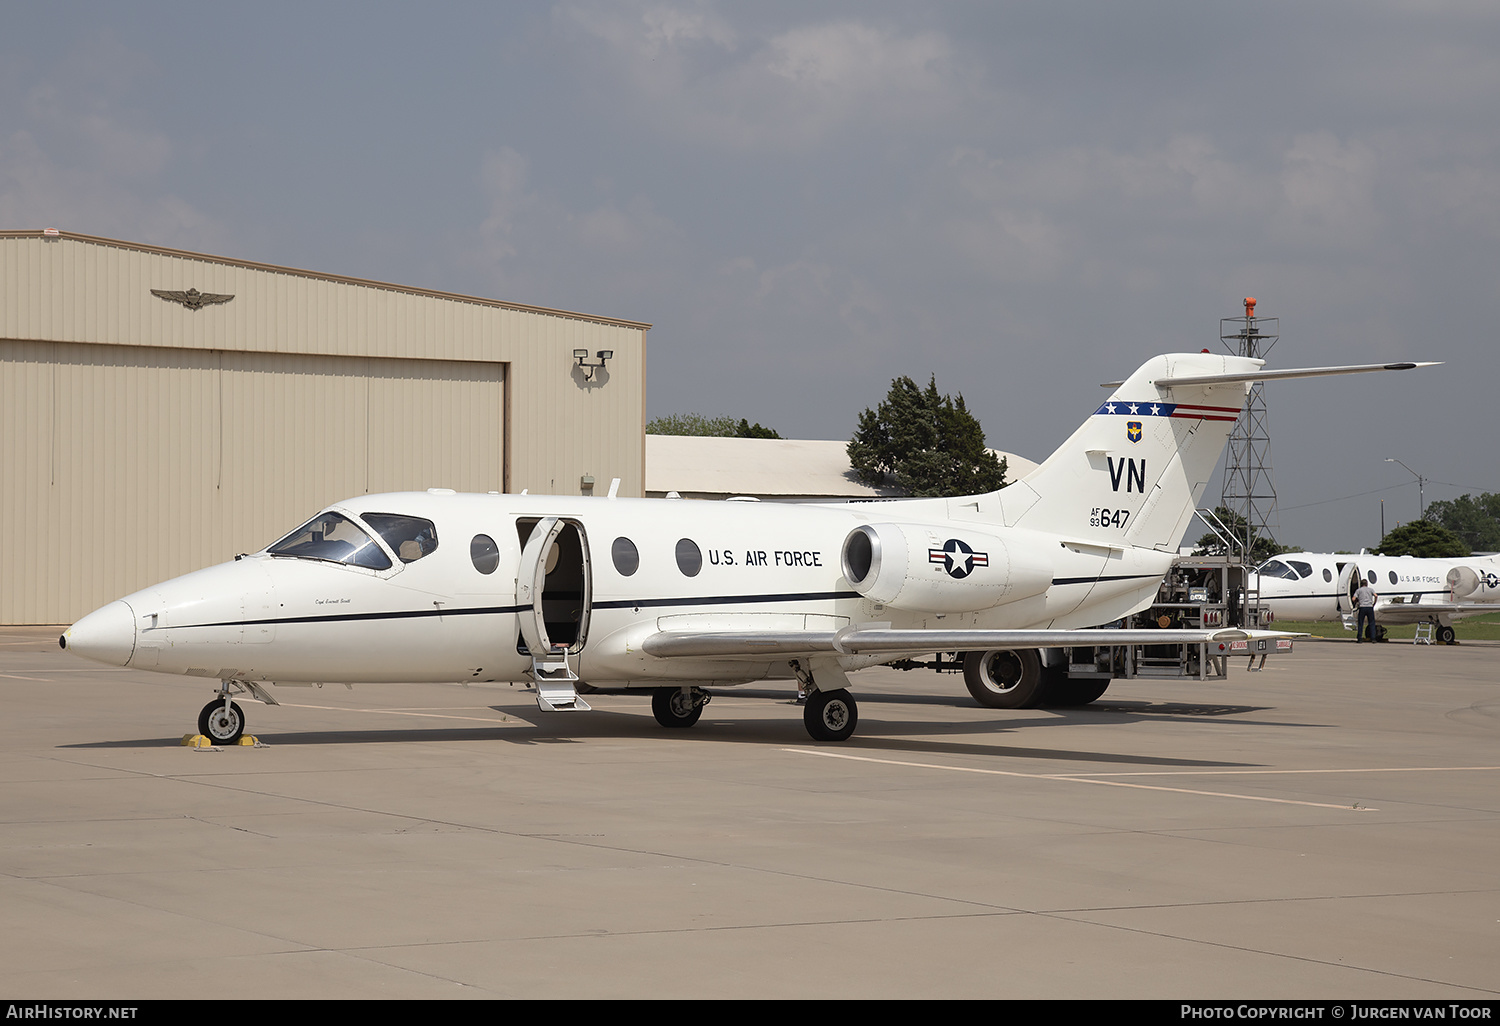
1445 634
221 726
1380 633
830 715
1004 679
674 707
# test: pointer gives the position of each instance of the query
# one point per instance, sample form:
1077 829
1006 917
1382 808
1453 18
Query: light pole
1421 503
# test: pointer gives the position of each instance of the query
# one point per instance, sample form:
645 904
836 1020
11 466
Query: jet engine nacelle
1470 585
940 569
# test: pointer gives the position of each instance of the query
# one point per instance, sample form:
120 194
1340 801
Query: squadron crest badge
1133 430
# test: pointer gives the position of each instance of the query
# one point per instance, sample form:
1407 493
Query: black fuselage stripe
1106 577
411 614
636 603
726 600
394 614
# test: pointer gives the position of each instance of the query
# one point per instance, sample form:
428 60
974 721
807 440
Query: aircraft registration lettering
1101 517
1134 474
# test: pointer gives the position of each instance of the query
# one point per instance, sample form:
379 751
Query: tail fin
1133 473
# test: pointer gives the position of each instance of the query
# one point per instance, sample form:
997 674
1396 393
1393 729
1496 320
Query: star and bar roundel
958 559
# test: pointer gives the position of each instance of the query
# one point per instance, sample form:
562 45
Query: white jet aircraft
1316 587
668 595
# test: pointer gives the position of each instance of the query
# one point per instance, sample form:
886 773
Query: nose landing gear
222 721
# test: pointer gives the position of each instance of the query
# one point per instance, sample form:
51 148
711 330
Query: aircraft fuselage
691 566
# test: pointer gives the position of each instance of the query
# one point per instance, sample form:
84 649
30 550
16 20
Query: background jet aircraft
1318 587
667 595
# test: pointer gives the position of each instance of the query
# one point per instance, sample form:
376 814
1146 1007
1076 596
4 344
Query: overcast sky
809 199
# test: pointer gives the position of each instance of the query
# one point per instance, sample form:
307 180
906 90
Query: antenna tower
1248 489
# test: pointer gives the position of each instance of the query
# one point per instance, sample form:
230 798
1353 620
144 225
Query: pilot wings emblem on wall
192 298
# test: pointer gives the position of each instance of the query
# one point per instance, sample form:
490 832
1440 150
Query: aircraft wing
1416 612
879 639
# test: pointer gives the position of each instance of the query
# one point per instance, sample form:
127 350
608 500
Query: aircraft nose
107 635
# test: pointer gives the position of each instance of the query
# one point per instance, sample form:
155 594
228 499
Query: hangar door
126 465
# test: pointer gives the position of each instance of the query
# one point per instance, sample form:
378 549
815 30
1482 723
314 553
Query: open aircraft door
554 590
1349 582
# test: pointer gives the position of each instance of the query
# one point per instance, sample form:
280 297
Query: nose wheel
222 722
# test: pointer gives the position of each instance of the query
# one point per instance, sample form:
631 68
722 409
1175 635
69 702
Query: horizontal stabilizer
1276 375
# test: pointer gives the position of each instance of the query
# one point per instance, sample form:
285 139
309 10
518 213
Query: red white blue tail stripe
1156 408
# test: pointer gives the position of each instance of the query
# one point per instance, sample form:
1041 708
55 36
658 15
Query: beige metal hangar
161 410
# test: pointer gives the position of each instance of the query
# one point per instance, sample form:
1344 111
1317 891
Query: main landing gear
828 715
678 707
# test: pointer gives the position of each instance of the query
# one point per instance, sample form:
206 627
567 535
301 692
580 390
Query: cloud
1327 193
531 240
695 76
75 155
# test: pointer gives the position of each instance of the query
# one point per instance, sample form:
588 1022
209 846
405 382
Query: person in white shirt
1365 598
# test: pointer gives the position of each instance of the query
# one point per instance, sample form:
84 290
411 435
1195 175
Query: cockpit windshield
1276 568
410 538
333 537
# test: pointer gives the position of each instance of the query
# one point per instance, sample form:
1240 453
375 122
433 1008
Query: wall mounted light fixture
582 356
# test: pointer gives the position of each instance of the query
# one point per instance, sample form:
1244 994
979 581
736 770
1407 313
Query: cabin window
689 558
1393 576
1327 575
485 553
1372 576
627 558
410 538
333 538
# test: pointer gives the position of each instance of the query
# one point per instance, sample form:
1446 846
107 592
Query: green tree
710 427
925 444
1476 521
1422 538
745 429
1262 547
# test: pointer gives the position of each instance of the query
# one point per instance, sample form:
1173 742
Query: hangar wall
144 439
